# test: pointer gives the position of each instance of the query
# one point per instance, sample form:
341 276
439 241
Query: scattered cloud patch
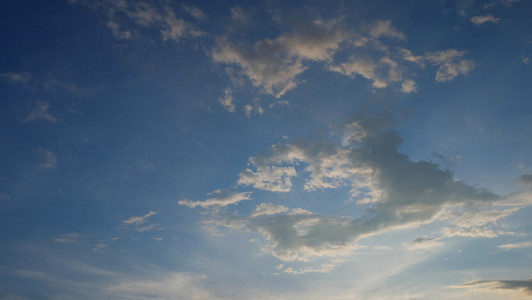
221 199
523 285
506 3
17 77
100 248
266 209
525 180
48 159
480 20
409 86
70 238
422 243
516 246
384 28
227 100
139 220
39 111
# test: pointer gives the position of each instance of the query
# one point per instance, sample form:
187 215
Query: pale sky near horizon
266 149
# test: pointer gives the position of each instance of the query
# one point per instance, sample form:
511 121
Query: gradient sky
266 149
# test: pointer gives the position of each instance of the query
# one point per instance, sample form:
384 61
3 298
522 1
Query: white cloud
100 248
238 15
274 64
227 100
385 29
409 86
266 209
480 20
269 178
48 159
39 111
117 32
70 237
139 220
19 77
221 199
516 246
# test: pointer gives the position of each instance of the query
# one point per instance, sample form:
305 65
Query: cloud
450 63
523 285
275 64
402 194
48 159
384 29
119 15
266 209
409 86
381 73
69 238
39 111
139 220
493 3
195 12
516 246
100 248
172 285
525 180
227 100
18 77
422 243
480 20
221 199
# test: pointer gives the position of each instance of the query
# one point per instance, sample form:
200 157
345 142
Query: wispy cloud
39 111
480 20
139 220
18 77
70 238
221 199
48 159
523 285
516 246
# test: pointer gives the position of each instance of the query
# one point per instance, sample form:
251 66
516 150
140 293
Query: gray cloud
524 285
479 20
402 193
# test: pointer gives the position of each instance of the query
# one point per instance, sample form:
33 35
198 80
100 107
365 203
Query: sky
266 149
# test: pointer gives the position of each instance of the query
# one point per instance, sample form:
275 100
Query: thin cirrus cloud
220 199
510 285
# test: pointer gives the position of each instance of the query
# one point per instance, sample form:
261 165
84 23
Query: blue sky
266 149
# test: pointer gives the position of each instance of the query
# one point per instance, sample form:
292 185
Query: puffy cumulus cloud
122 15
523 285
39 111
220 199
269 178
422 243
480 20
401 194
275 64
172 285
